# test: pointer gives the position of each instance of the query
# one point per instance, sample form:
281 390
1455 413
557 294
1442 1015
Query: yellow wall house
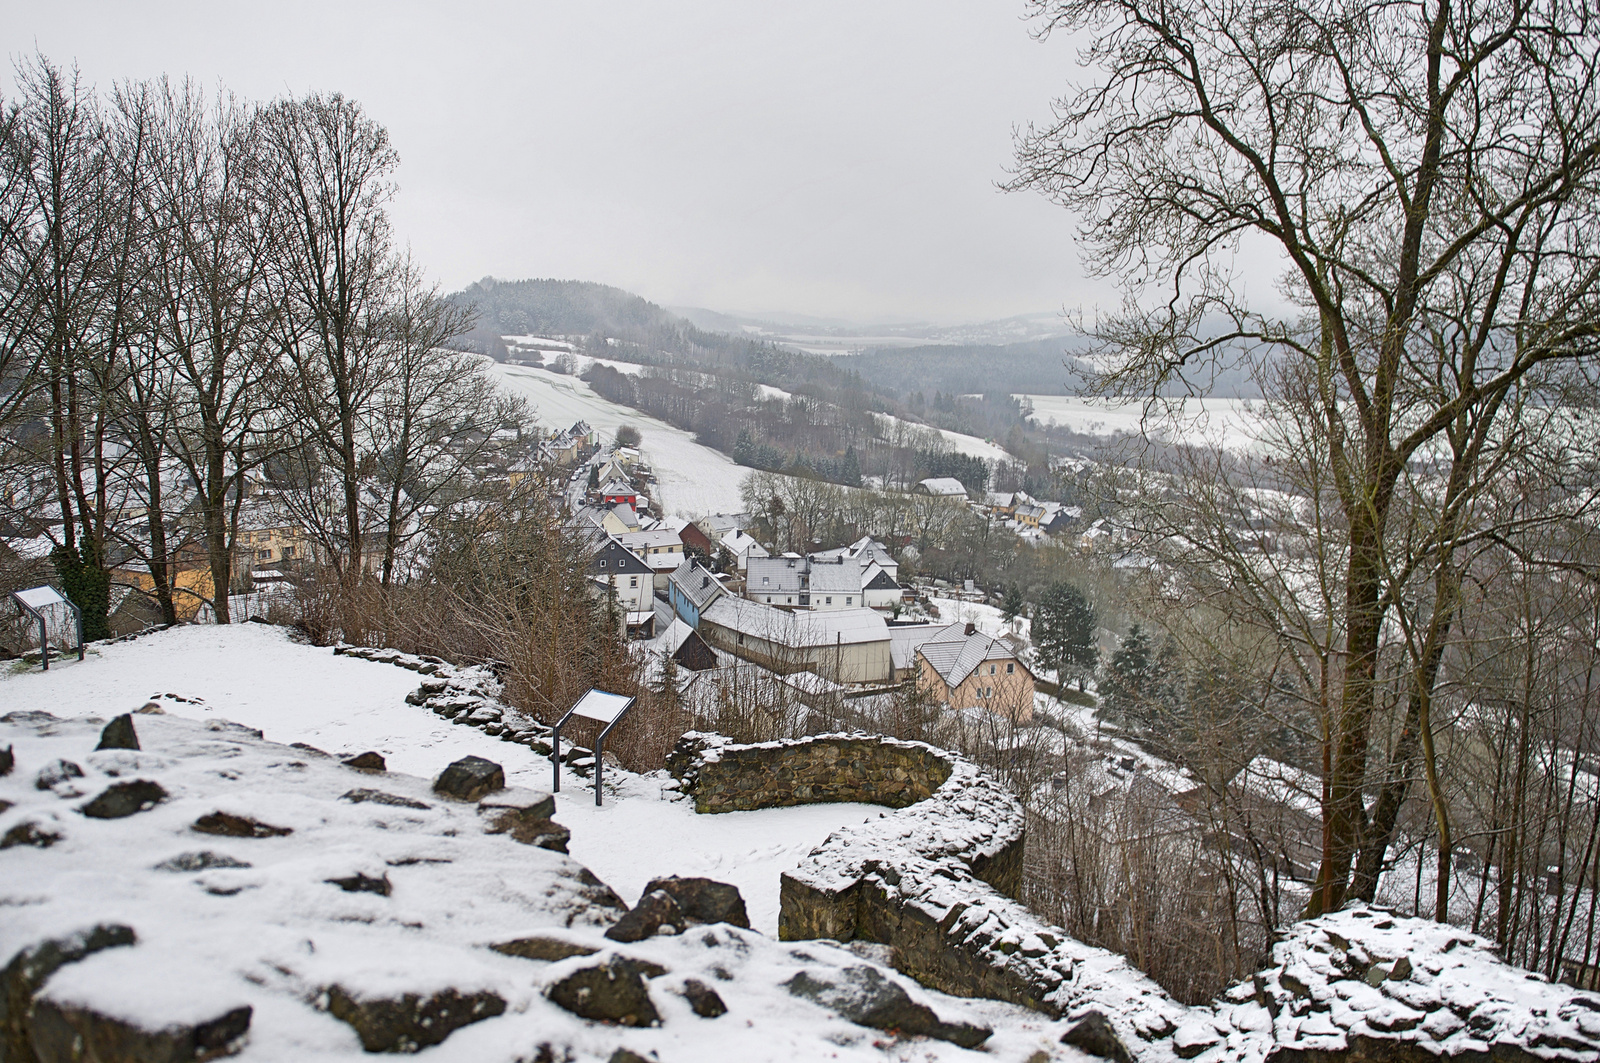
264 546
191 588
967 669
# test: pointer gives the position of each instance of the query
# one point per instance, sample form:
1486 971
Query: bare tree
328 168
1426 172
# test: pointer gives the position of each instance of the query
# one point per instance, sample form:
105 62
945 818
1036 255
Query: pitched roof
843 627
696 583
954 654
942 485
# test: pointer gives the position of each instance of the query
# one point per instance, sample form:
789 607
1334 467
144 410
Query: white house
845 646
661 548
742 546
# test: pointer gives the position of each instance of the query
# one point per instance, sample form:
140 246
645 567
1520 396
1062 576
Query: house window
988 691
991 669
263 555
1011 668
633 581
602 563
769 599
789 601
849 601
829 599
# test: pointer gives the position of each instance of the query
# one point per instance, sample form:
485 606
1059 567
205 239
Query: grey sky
832 158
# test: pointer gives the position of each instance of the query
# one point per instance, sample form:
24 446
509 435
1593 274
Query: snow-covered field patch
695 480
1230 423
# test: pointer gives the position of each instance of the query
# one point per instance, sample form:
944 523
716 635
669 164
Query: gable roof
696 583
841 627
943 485
954 654
881 582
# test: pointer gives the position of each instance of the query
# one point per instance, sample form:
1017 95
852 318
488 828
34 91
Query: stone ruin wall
937 881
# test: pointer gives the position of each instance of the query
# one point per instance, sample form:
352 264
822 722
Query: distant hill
1038 367
548 307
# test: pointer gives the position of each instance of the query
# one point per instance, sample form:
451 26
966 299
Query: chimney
972 628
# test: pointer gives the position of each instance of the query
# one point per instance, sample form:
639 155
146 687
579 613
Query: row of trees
200 293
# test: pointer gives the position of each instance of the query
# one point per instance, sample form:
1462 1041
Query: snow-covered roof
655 538
1282 784
739 543
942 485
846 627
905 639
954 654
696 582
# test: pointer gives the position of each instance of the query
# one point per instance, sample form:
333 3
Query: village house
966 669
849 646
819 584
691 588
620 571
941 486
661 549
742 546
693 538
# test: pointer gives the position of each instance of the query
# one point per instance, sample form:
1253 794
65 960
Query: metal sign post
34 601
599 706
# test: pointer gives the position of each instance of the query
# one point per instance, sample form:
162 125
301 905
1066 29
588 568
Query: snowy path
254 675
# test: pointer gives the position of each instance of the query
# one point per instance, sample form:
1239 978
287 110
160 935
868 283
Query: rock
119 734
68 1033
628 1055
703 999
410 1022
865 996
1192 1038
611 991
231 826
30 832
520 803
28 970
361 883
647 918
704 900
151 708
368 761
542 948
1094 1034
203 860
544 833
313 750
122 799
378 797
470 778
1401 970
55 773
8 760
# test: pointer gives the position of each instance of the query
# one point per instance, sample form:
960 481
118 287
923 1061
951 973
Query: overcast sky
829 158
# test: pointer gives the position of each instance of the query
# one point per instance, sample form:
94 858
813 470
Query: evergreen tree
86 582
1012 604
1064 625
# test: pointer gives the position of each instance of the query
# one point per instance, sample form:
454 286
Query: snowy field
1232 423
254 675
695 480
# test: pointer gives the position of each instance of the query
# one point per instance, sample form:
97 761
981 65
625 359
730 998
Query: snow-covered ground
695 480
1232 423
364 886
255 675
